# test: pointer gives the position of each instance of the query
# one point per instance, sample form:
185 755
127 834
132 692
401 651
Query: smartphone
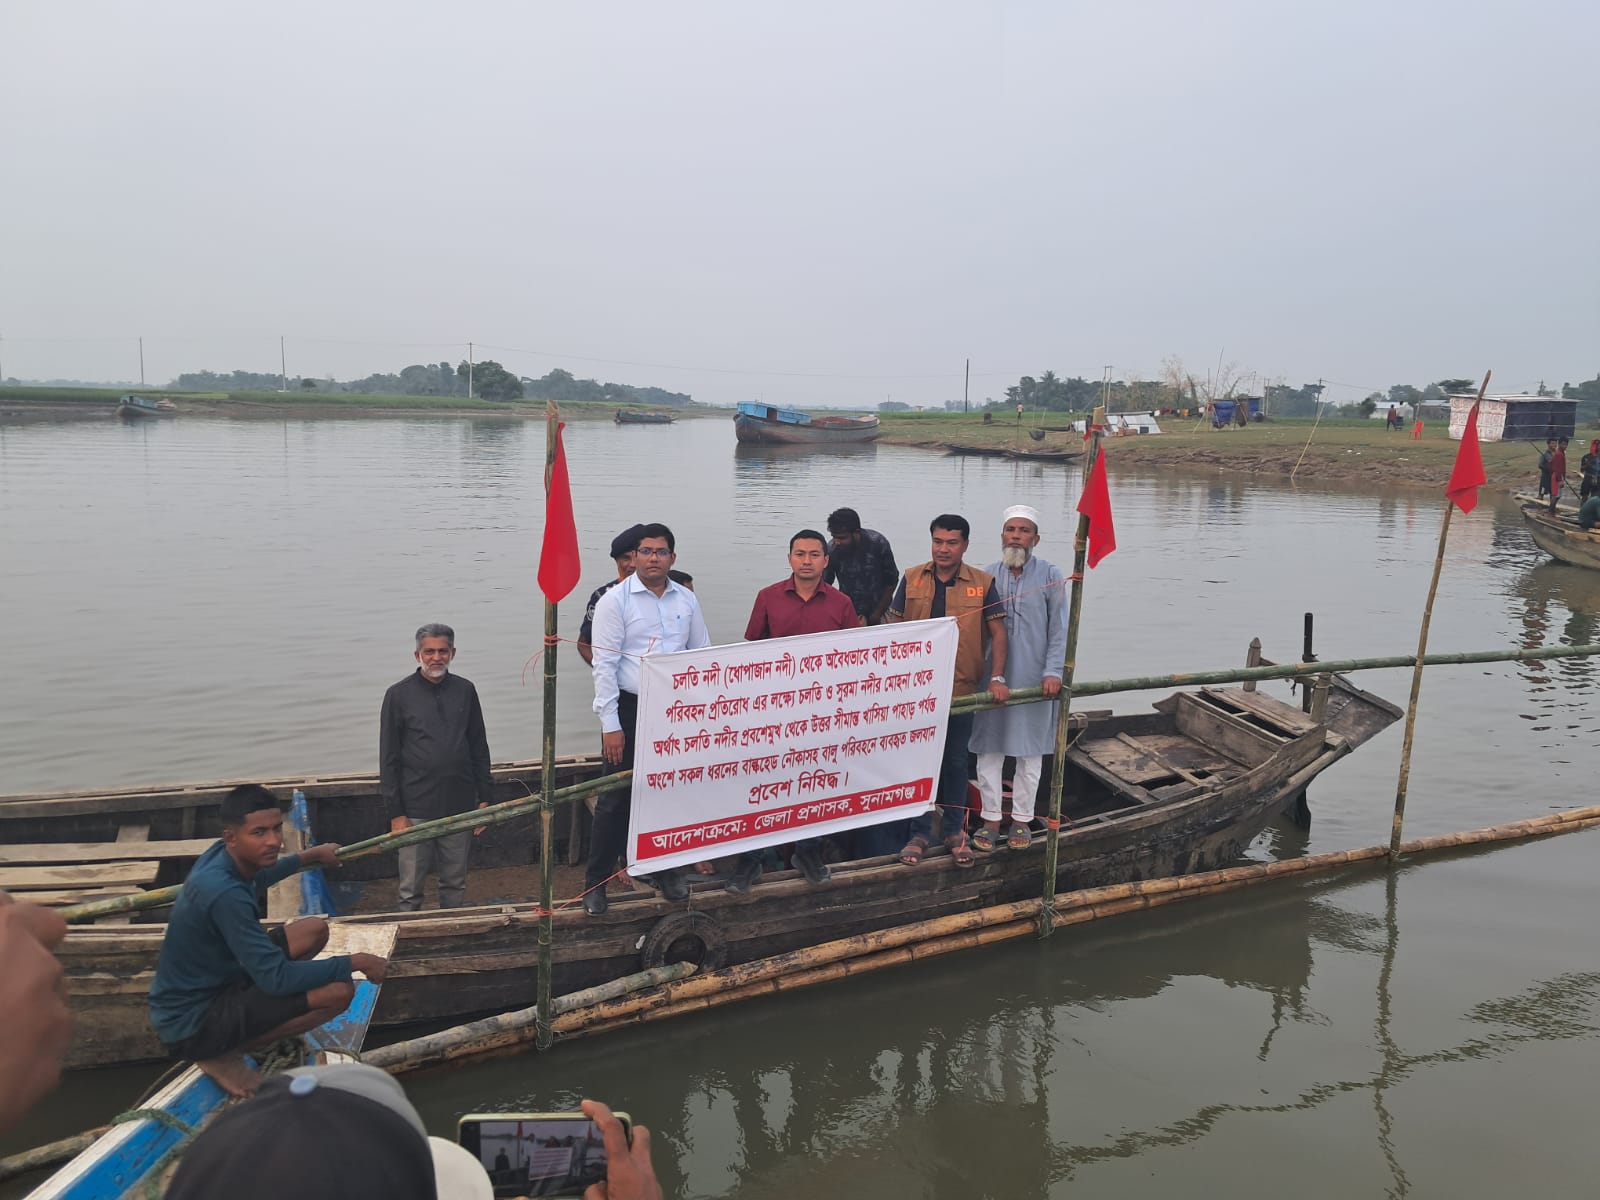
538 1154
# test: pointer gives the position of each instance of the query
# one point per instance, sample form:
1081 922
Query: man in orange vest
946 586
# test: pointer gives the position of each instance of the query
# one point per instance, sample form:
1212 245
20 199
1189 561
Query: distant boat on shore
627 416
1562 537
1044 455
136 408
766 425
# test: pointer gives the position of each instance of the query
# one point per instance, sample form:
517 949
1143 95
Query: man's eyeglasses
652 552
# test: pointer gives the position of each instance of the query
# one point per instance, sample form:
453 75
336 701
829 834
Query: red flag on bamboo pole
1467 475
559 564
1095 503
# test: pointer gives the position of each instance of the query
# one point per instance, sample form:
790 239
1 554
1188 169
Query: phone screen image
537 1155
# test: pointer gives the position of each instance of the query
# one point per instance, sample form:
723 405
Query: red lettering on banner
658 843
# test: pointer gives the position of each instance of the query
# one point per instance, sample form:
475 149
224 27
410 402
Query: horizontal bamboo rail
1145 683
854 955
509 810
49 1154
512 1028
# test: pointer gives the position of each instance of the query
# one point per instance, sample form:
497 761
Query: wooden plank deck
32 854
91 875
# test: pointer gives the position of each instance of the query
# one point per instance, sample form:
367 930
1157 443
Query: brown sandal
961 850
911 852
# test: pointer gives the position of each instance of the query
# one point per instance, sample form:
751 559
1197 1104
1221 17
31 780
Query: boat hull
1561 539
456 965
757 432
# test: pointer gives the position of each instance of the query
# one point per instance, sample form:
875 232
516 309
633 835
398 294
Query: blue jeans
952 791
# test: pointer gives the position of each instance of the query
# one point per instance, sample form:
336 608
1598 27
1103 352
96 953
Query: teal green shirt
1589 514
215 940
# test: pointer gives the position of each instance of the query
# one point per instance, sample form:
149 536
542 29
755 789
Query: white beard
1015 557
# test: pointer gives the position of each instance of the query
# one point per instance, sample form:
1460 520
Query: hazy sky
818 202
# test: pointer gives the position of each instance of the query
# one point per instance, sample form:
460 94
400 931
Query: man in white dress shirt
646 613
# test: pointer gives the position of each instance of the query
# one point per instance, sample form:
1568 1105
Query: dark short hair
844 520
246 799
678 576
952 523
809 535
626 542
656 530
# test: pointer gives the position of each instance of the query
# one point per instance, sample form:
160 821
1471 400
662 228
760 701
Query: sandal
983 840
961 850
911 852
1019 837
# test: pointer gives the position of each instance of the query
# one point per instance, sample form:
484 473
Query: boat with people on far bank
768 425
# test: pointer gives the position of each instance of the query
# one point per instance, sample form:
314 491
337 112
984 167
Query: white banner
761 743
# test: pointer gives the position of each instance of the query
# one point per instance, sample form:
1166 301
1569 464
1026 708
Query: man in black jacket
433 761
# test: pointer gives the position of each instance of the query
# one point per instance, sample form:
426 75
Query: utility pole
966 383
469 370
141 361
283 365
1105 388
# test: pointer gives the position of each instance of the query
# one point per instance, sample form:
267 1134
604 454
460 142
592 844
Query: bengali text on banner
761 743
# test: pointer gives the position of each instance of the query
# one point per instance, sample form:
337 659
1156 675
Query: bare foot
705 868
233 1075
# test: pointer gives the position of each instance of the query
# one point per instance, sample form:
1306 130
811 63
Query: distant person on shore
38 1025
946 586
1393 420
1589 465
802 603
433 761
1034 594
1558 473
1589 512
622 548
861 565
224 985
647 613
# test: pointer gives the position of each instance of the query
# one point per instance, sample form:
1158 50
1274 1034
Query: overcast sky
820 202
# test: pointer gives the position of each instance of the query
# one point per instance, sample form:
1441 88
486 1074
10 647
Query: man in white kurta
1034 593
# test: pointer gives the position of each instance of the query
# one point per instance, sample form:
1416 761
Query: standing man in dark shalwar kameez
1034 593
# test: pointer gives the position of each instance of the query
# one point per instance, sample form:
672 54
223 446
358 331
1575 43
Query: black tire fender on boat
684 937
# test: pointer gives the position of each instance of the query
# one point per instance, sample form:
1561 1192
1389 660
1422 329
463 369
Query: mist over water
206 599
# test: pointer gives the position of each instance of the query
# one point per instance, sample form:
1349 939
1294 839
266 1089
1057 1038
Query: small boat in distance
627 416
1562 537
766 425
1044 455
134 408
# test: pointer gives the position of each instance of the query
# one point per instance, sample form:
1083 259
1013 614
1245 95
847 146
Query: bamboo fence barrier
497 814
847 957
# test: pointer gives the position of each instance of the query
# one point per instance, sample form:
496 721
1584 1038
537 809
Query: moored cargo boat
767 425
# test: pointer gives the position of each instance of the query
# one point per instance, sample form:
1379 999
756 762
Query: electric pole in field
283 365
141 361
469 370
966 384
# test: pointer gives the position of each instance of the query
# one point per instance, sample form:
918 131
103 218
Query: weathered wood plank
56 899
1169 768
1287 718
66 853
33 879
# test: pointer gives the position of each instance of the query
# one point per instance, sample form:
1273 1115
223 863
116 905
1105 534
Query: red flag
1095 503
559 564
1467 475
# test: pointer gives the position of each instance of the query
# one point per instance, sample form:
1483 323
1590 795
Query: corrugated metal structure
1518 418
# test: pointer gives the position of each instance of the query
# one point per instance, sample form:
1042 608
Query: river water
195 599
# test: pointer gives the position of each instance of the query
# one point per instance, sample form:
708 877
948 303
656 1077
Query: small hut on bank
1517 418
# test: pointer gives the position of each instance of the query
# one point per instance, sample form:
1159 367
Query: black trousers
608 839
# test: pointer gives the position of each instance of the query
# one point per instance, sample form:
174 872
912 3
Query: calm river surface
196 599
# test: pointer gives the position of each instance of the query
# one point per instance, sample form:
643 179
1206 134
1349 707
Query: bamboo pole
513 1028
847 957
1422 652
552 431
49 1154
1069 668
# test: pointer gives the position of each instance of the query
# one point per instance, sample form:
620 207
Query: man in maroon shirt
800 604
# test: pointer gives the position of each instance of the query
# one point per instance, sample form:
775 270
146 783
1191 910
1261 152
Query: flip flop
961 850
1019 837
984 839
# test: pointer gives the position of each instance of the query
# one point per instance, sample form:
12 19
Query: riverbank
1341 451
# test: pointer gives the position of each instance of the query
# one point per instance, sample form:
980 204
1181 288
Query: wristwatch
997 679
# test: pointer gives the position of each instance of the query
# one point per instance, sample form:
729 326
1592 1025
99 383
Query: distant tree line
490 381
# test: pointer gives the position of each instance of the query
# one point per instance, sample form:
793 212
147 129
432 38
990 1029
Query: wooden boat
1053 456
136 408
632 417
1184 788
1562 537
765 425
978 451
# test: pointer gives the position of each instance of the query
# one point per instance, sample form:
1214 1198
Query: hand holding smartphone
541 1155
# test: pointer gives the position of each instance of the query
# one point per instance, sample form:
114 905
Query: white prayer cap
1023 511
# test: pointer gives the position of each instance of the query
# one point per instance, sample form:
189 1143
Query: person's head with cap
344 1130
622 548
1019 534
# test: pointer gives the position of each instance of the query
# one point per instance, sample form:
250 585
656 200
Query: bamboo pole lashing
552 434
